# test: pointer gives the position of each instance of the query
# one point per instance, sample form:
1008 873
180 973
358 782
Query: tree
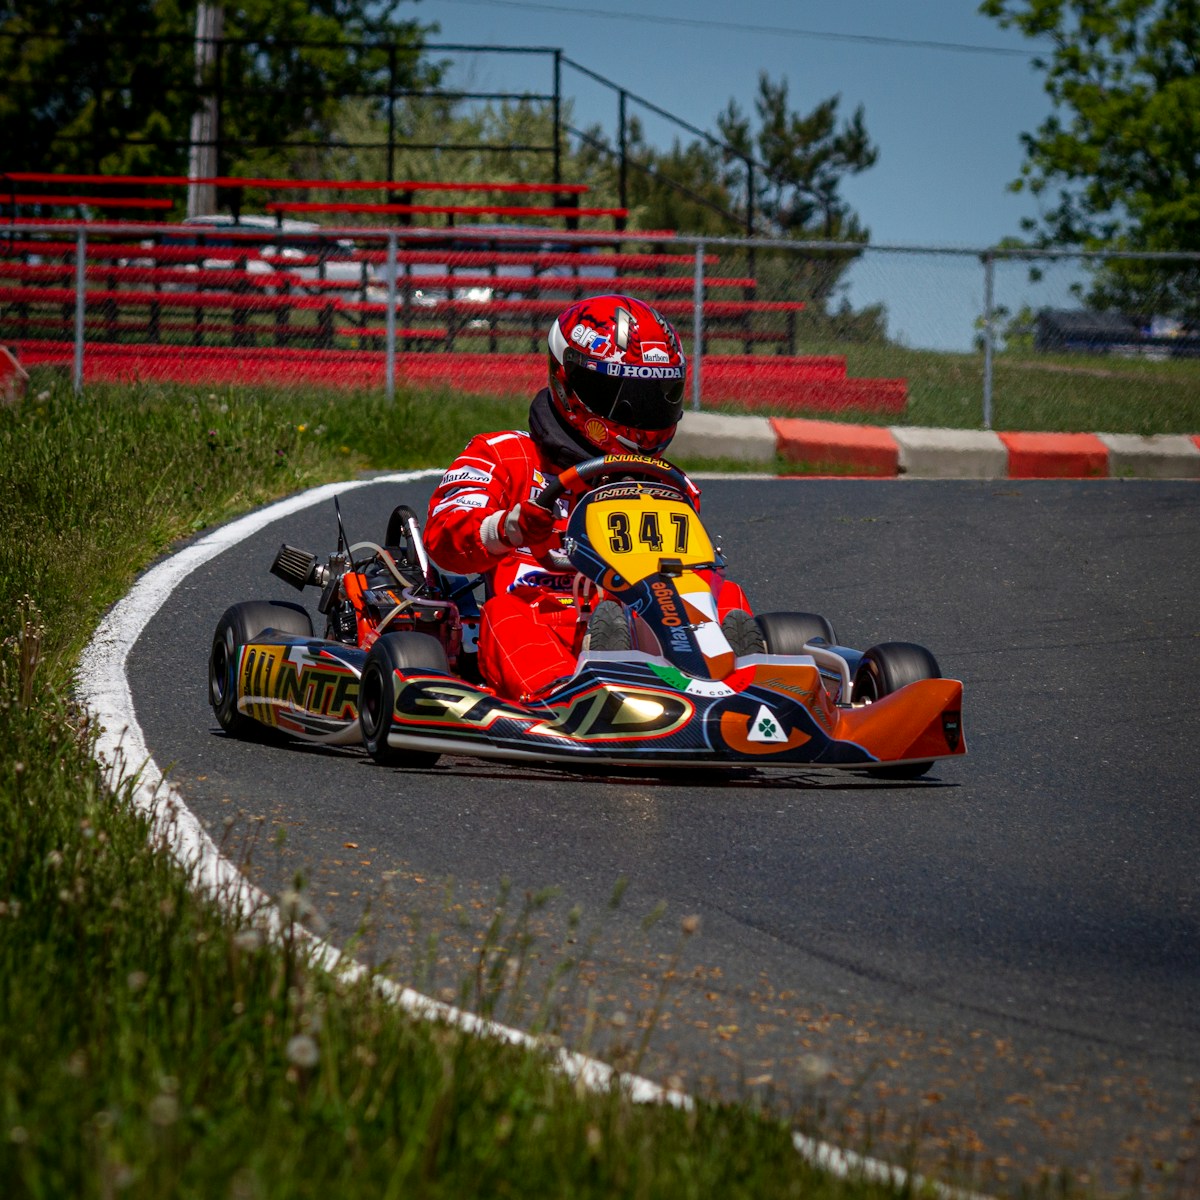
804 161
785 168
111 88
1124 77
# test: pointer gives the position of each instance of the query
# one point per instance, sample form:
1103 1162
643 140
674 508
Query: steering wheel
584 476
587 475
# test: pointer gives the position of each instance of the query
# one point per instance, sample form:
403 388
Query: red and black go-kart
660 681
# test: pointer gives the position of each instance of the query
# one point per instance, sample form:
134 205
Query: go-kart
661 680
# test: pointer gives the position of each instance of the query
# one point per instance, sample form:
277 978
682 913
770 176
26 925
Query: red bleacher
566 212
260 310
755 382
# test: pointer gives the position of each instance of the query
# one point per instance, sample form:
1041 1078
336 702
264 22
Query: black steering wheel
587 475
584 476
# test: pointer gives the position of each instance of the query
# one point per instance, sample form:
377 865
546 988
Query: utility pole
202 153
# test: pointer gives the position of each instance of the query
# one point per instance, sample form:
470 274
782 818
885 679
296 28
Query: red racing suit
531 628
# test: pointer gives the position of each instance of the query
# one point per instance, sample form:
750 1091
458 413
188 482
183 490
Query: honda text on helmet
616 374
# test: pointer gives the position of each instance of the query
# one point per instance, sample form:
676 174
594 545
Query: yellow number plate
634 534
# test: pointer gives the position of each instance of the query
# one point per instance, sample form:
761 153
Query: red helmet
616 375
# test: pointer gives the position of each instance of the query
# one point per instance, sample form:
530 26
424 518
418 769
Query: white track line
103 686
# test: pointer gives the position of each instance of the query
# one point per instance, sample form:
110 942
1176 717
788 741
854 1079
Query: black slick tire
239 625
377 693
788 632
885 669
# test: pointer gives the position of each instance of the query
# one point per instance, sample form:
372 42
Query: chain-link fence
895 335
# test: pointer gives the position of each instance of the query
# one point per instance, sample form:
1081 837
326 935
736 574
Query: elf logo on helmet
589 339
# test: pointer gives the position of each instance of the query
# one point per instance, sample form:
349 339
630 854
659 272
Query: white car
300 242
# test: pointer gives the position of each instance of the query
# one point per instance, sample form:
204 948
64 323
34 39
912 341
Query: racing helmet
616 375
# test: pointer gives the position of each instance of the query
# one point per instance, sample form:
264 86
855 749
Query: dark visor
626 400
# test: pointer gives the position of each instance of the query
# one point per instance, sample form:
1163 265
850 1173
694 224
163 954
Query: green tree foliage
112 87
778 172
1120 145
806 157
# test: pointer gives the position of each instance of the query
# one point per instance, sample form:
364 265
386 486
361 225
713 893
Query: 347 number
649 533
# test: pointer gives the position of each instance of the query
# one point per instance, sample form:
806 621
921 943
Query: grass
152 1045
1067 393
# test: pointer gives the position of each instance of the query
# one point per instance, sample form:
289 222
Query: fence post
558 54
697 323
80 301
989 286
623 147
390 348
391 121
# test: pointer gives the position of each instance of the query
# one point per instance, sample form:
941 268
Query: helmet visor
642 397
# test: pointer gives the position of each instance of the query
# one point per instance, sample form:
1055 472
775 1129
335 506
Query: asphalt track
999 964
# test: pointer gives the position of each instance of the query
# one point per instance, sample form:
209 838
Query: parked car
300 250
508 277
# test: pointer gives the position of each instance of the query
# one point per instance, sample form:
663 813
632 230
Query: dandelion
163 1110
814 1067
248 940
301 428
122 1176
302 1052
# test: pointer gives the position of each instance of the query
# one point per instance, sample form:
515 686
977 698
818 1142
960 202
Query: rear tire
239 625
885 669
743 633
377 693
788 632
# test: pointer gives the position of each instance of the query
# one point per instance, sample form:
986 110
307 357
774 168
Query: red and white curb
920 453
103 687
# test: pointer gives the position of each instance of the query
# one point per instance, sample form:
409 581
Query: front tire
788 632
743 633
608 628
885 669
239 625
377 693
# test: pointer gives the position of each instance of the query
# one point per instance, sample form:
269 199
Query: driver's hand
527 524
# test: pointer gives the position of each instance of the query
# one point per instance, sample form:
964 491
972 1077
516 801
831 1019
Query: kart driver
482 518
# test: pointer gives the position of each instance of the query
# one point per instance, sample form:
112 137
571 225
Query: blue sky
946 94
946 91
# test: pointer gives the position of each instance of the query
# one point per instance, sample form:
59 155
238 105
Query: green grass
152 1045
1031 392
